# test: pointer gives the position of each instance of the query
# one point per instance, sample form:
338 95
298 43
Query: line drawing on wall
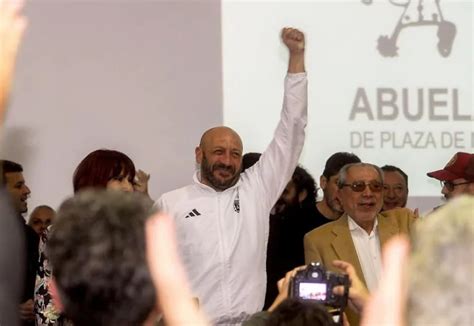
418 13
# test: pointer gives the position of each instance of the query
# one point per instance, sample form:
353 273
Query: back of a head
99 167
304 181
336 161
97 253
295 312
249 159
441 269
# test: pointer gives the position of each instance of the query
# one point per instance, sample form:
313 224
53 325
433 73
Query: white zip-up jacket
222 236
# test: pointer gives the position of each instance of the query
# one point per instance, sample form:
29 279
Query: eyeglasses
359 186
450 185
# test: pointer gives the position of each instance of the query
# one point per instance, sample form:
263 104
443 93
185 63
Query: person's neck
367 226
327 211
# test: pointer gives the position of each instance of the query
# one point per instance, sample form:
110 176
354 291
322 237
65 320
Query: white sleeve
275 167
159 205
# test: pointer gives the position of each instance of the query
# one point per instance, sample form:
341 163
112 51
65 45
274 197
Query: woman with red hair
102 168
109 169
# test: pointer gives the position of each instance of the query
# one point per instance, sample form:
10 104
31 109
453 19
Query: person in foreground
100 169
111 262
222 218
12 28
432 284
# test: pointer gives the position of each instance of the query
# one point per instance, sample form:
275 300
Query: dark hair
8 167
100 166
392 168
300 313
305 181
336 161
249 159
97 252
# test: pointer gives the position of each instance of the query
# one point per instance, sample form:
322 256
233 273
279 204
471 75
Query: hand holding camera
358 293
315 283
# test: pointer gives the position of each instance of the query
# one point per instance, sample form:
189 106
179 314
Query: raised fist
293 39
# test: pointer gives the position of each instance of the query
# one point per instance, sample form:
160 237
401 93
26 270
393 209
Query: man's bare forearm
296 63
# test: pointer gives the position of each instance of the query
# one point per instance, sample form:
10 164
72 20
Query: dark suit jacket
333 241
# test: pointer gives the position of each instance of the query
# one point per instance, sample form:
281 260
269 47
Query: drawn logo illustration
418 13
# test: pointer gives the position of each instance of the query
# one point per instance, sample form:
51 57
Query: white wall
147 77
142 77
343 65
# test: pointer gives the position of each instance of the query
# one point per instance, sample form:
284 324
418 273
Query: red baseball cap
461 166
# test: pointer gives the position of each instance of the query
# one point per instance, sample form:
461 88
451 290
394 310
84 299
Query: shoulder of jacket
322 230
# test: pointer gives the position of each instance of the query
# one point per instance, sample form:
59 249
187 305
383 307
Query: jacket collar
344 246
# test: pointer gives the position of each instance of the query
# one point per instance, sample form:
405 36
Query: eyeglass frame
450 185
370 184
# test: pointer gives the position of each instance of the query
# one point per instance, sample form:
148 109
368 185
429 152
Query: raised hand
358 294
141 182
27 311
175 300
283 287
293 39
295 42
416 212
387 304
12 27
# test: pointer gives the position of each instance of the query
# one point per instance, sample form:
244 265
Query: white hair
441 269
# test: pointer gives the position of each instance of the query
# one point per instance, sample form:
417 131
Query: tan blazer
333 241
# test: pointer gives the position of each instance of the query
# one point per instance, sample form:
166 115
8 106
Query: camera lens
314 274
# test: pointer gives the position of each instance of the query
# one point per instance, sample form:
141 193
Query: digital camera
316 284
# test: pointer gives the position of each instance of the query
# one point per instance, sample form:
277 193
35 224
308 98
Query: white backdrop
413 110
148 77
142 77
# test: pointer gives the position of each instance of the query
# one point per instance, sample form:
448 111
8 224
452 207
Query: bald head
41 217
210 135
220 156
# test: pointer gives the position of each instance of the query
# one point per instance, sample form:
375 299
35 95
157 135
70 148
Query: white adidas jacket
222 236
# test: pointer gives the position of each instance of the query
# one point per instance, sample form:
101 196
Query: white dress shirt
368 251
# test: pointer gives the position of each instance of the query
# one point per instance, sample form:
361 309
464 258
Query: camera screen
313 291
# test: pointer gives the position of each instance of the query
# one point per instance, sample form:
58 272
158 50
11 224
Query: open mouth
224 173
367 205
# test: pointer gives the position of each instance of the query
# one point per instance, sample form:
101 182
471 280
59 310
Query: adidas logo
192 213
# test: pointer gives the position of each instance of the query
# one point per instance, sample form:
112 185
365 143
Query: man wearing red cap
457 177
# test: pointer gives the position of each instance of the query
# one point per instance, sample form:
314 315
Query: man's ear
323 182
54 292
198 153
302 195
